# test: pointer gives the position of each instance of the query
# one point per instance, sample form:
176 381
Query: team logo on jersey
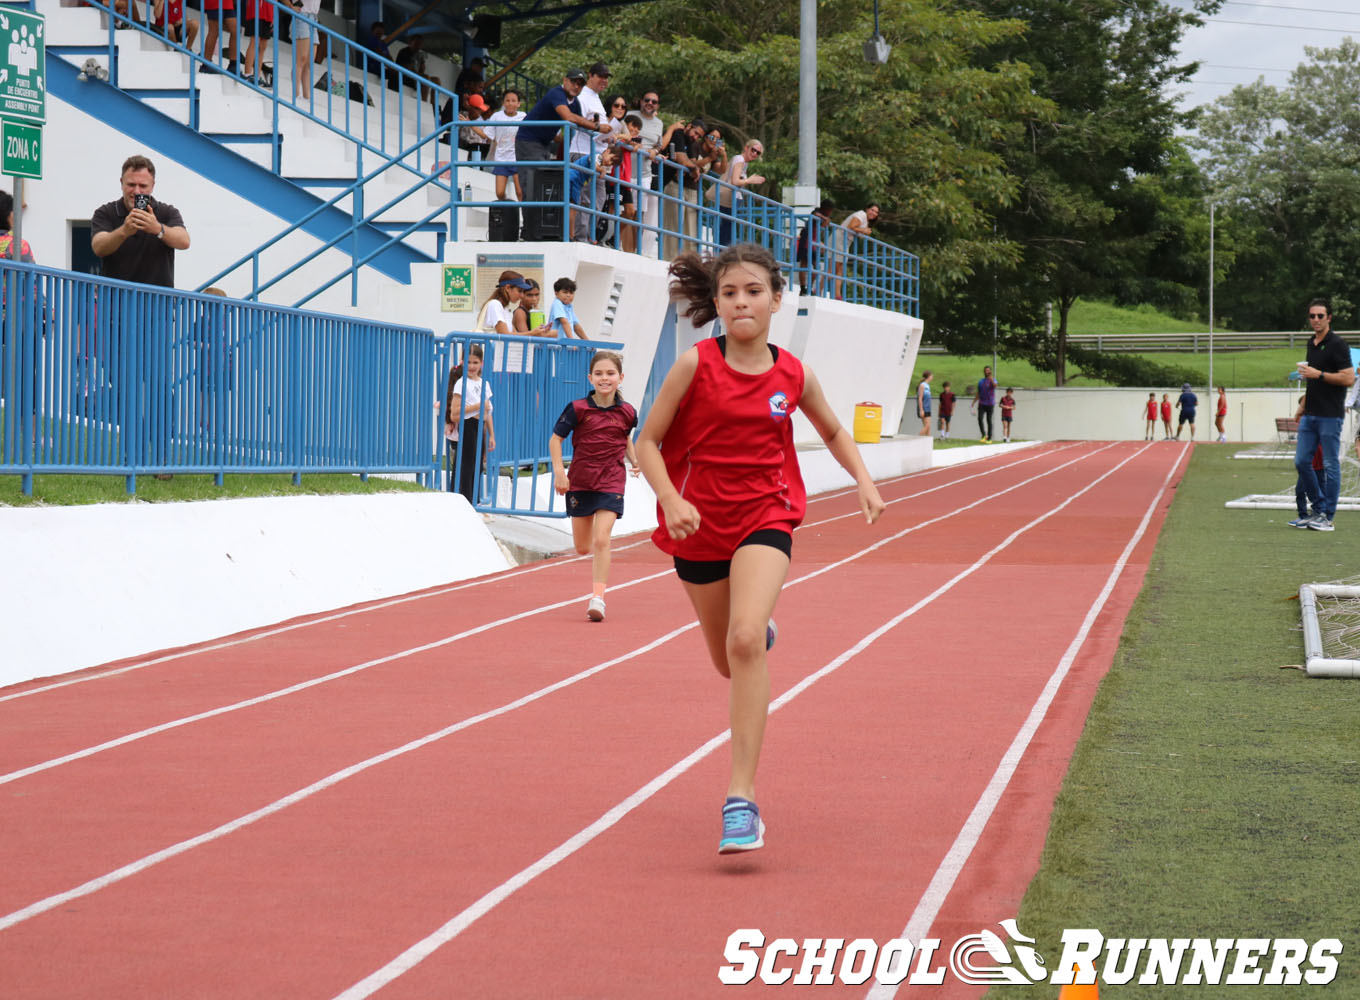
779 406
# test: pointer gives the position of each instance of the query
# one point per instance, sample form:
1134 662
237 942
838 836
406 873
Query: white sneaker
595 609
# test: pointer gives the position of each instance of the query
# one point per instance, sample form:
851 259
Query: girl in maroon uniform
718 450
601 429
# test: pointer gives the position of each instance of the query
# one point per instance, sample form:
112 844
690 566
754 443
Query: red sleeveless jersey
729 451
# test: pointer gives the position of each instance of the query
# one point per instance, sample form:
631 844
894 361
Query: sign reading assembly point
23 66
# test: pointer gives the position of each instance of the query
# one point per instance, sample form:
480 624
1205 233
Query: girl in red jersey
1221 414
1166 417
601 429
1151 433
718 450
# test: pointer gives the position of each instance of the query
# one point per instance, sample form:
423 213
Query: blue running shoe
742 827
771 634
1301 521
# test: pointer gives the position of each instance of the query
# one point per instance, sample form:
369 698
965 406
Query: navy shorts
500 171
713 570
584 503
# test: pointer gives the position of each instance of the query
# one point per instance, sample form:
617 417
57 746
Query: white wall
107 581
1118 414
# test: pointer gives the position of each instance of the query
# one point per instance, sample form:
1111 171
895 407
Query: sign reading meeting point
23 66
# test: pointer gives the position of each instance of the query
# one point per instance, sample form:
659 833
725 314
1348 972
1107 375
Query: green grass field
72 490
1213 794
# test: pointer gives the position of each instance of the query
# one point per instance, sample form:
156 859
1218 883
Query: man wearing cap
535 142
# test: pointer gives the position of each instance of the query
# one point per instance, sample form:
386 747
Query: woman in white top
497 316
468 403
503 135
496 311
736 177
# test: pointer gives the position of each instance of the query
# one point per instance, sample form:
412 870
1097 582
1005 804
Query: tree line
1032 152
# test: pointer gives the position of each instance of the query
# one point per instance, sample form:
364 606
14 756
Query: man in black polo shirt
535 142
136 236
1327 373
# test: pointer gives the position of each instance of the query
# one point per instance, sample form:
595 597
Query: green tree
1283 164
1090 217
923 136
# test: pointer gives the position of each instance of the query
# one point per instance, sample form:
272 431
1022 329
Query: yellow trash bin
868 425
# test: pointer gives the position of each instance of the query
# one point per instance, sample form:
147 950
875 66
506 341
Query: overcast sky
1247 39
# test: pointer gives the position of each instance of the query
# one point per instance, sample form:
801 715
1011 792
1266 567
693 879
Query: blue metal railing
840 265
394 117
109 377
103 376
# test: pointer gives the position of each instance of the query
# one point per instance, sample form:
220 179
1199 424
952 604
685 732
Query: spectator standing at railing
136 236
689 149
630 157
534 142
170 19
856 224
811 242
735 178
586 147
592 109
259 30
221 12
650 133
303 35
503 143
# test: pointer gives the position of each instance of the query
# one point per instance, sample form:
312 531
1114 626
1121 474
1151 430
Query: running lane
327 890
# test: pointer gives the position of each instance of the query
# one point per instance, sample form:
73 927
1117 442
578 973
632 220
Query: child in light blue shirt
562 317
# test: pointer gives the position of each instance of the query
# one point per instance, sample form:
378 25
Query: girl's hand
870 503
449 427
491 443
560 483
636 471
682 518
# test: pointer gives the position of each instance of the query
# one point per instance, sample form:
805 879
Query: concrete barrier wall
1118 414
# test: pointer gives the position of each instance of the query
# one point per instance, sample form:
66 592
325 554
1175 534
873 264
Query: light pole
1211 400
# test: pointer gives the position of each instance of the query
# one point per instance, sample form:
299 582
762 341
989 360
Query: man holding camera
136 236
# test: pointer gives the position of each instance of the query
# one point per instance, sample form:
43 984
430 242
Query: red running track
474 792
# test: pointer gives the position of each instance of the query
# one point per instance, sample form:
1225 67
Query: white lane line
422 949
133 868
76 755
932 900
408 598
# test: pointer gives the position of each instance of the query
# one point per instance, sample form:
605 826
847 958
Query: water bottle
467 192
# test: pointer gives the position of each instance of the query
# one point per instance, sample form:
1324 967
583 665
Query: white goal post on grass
1315 663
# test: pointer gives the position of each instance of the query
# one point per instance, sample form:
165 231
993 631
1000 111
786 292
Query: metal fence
109 377
530 381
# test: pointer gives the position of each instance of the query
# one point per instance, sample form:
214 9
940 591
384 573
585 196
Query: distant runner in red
718 450
1221 414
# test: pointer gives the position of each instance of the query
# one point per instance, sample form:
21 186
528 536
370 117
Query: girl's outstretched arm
680 516
840 444
630 450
